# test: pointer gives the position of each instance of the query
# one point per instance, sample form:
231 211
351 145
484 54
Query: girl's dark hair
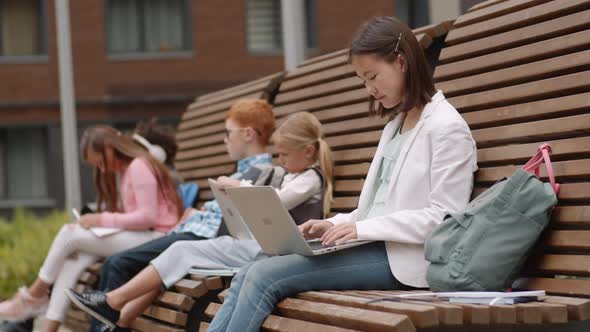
161 135
380 37
97 139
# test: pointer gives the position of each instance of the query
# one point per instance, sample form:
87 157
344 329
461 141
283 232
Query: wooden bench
519 73
201 155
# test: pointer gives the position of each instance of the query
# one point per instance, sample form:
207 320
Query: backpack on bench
485 247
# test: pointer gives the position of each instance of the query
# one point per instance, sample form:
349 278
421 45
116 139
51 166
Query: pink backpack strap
534 164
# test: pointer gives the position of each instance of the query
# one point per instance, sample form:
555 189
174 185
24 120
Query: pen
76 214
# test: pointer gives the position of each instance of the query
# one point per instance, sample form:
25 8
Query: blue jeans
259 286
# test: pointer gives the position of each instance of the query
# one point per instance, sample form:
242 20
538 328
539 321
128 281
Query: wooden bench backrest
328 87
519 73
200 135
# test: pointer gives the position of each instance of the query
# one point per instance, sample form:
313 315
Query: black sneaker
95 303
105 328
20 326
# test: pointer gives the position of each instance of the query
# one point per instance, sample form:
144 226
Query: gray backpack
484 247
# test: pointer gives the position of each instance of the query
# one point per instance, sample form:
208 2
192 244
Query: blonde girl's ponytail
302 129
327 166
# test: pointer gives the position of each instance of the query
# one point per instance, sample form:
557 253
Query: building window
147 26
21 28
264 27
415 13
23 160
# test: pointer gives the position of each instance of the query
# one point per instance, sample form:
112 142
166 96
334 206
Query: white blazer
433 176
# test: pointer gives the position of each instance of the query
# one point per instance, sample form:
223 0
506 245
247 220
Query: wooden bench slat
518 37
200 132
564 264
315 67
214 139
345 112
363 139
191 288
317 78
346 317
344 84
575 239
334 100
491 9
282 324
574 192
448 314
565 127
203 120
529 313
571 287
435 30
192 116
572 215
536 110
502 314
213 150
568 192
205 162
553 313
95 268
354 155
421 315
525 92
348 186
578 147
324 57
88 278
484 4
176 300
212 283
515 56
344 203
166 315
354 170
78 314
226 91
535 13
564 170
148 325
532 71
363 125
577 309
208 172
236 93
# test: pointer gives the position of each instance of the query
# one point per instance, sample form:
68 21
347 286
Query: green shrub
24 242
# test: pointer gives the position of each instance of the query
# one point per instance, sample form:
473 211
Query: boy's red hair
254 113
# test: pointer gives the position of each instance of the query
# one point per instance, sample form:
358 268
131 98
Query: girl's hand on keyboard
339 234
314 228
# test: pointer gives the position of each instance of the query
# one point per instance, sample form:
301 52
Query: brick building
140 58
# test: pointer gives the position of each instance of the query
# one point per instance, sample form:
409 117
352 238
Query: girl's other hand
339 234
224 182
315 228
90 220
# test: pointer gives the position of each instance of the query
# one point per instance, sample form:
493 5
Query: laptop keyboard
315 245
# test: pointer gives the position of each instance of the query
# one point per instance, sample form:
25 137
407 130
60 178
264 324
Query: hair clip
398 40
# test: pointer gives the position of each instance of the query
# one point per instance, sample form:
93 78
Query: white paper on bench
479 297
104 231
229 272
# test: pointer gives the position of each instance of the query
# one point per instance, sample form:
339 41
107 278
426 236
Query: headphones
155 150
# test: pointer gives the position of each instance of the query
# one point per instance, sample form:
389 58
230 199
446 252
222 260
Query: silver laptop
272 225
236 226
